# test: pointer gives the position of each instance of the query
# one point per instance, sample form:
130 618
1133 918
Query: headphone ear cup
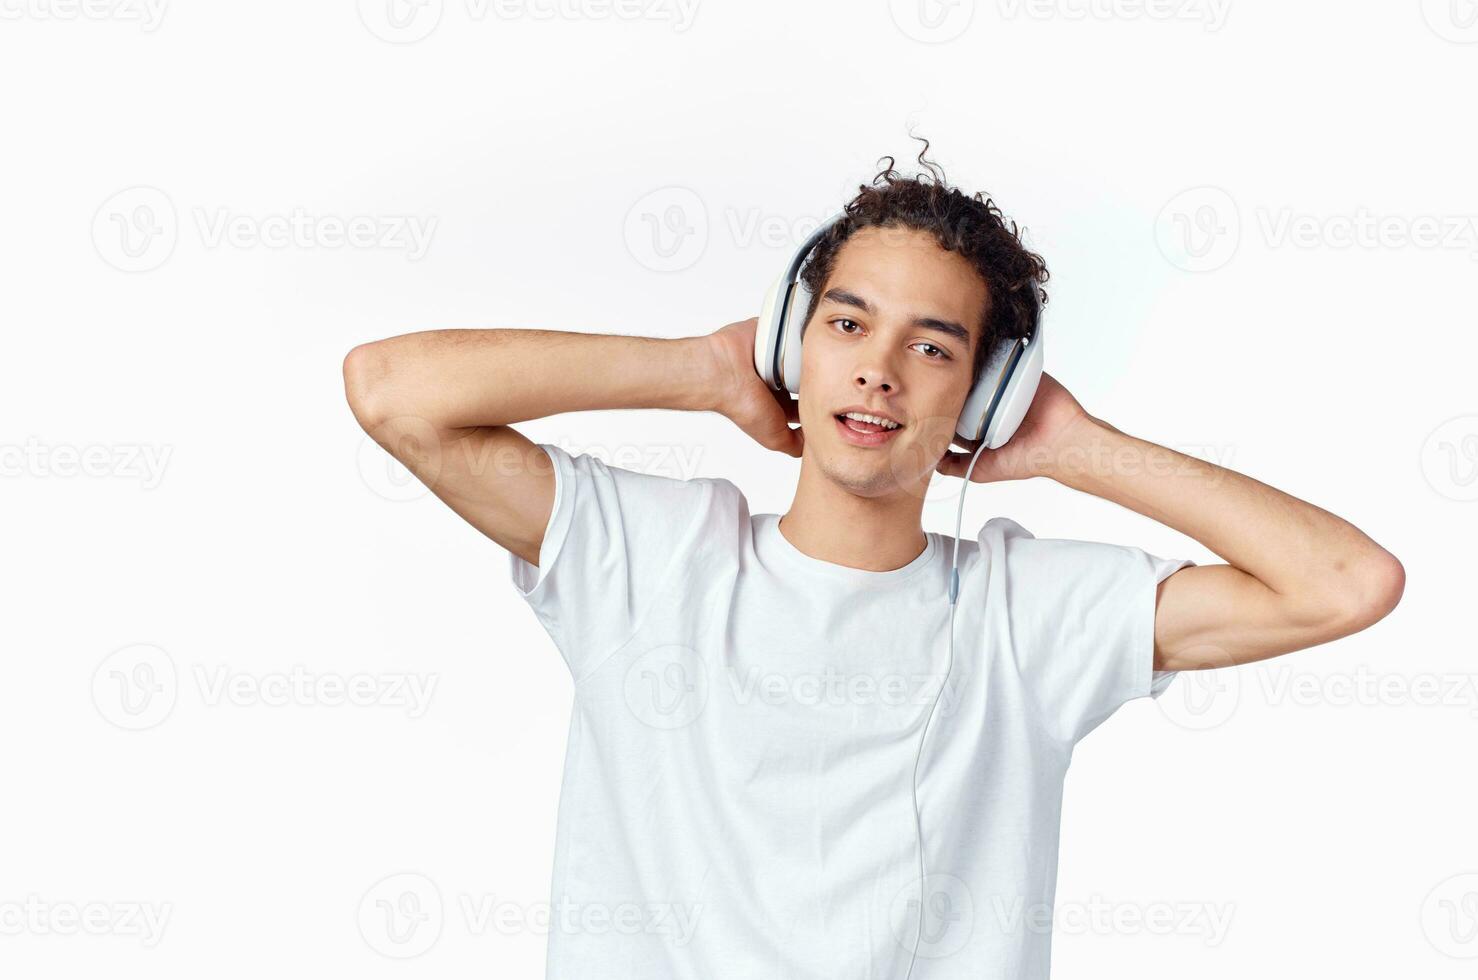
795 323
767 337
1021 388
777 338
1012 371
974 416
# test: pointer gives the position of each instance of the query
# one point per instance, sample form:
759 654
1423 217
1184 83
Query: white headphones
993 409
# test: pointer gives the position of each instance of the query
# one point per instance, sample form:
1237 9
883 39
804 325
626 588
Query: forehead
903 272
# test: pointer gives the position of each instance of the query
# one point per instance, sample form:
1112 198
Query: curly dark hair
972 226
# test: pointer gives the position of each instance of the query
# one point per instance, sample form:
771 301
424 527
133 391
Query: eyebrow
948 327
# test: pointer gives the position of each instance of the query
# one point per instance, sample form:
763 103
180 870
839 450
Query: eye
845 320
939 354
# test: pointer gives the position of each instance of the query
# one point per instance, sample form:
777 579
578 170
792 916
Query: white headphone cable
954 593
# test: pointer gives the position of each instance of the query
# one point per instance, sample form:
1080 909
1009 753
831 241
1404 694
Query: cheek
938 407
814 395
813 412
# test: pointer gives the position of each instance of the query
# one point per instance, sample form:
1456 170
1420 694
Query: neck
830 522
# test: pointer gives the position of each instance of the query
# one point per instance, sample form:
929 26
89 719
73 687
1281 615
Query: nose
876 375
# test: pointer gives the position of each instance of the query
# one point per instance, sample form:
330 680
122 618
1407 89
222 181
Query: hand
740 396
1038 445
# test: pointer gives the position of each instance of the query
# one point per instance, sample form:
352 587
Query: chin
865 478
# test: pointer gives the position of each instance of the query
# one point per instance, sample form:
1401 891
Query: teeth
875 420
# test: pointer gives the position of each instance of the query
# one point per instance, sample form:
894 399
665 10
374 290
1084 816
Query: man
751 691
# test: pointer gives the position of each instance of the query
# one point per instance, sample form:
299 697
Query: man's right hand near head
744 399
443 403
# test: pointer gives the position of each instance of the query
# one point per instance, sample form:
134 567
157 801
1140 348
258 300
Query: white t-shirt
737 797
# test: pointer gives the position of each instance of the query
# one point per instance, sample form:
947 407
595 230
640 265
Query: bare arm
443 403
1296 575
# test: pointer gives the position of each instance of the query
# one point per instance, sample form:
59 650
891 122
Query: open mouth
864 429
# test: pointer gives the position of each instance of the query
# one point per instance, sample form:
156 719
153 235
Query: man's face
893 335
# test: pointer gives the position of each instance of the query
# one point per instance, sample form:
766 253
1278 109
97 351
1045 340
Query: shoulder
662 497
1047 566
998 532
1004 537
1003 545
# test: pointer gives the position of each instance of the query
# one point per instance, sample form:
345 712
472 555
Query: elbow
1390 585
1372 592
364 384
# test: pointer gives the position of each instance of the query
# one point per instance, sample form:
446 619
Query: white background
185 491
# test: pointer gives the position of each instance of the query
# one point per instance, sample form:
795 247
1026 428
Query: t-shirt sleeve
1082 622
613 539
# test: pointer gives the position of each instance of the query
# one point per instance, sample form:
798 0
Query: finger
968 445
793 443
788 404
958 464
950 464
782 439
